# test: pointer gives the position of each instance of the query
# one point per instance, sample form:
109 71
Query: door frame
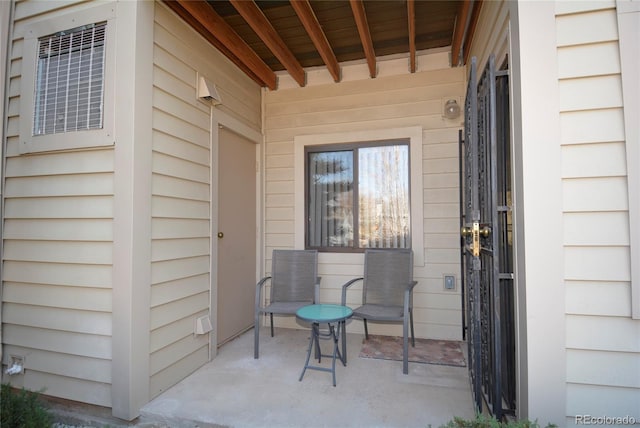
220 119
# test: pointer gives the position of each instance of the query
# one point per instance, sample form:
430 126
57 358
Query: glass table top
324 313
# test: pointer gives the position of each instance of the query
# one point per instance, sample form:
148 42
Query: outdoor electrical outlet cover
449 282
203 325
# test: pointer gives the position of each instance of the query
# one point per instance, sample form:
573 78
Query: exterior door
486 242
236 234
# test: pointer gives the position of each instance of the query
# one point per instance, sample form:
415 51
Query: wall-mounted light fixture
207 91
451 109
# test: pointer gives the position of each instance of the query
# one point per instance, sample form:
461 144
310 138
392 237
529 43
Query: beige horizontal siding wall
385 102
57 260
492 34
603 342
181 191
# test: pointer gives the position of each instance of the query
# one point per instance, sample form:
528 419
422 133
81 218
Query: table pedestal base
334 335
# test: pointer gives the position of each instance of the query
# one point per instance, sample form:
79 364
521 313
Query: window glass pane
383 186
330 203
70 81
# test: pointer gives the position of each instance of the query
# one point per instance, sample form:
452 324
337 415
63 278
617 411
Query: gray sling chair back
387 294
294 283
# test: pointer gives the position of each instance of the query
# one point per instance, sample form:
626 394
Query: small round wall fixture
451 109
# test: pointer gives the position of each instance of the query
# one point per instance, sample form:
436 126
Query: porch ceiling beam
357 6
458 34
204 32
256 19
473 22
411 13
312 25
220 30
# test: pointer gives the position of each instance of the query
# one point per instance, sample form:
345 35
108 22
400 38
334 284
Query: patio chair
294 283
387 294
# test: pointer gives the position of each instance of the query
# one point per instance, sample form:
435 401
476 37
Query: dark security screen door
486 242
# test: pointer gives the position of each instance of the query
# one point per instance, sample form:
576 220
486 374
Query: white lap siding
58 246
603 342
181 191
60 209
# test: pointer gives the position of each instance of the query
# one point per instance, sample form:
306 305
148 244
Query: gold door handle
475 233
467 231
220 235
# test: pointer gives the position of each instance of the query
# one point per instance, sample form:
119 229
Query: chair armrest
408 301
411 285
344 289
259 287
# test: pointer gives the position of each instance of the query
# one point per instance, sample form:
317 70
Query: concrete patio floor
236 390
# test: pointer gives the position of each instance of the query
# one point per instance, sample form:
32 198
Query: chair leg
366 331
256 335
405 347
413 336
271 317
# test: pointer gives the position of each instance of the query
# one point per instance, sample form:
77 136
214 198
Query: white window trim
629 31
414 134
76 139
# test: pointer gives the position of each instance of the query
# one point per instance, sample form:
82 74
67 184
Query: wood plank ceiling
263 37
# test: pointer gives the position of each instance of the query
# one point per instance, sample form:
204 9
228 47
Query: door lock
475 239
220 235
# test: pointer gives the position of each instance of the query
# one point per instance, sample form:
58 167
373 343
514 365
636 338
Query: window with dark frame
358 196
69 86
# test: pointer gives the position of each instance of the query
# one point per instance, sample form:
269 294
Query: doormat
427 351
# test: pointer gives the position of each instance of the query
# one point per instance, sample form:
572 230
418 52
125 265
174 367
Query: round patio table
332 315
